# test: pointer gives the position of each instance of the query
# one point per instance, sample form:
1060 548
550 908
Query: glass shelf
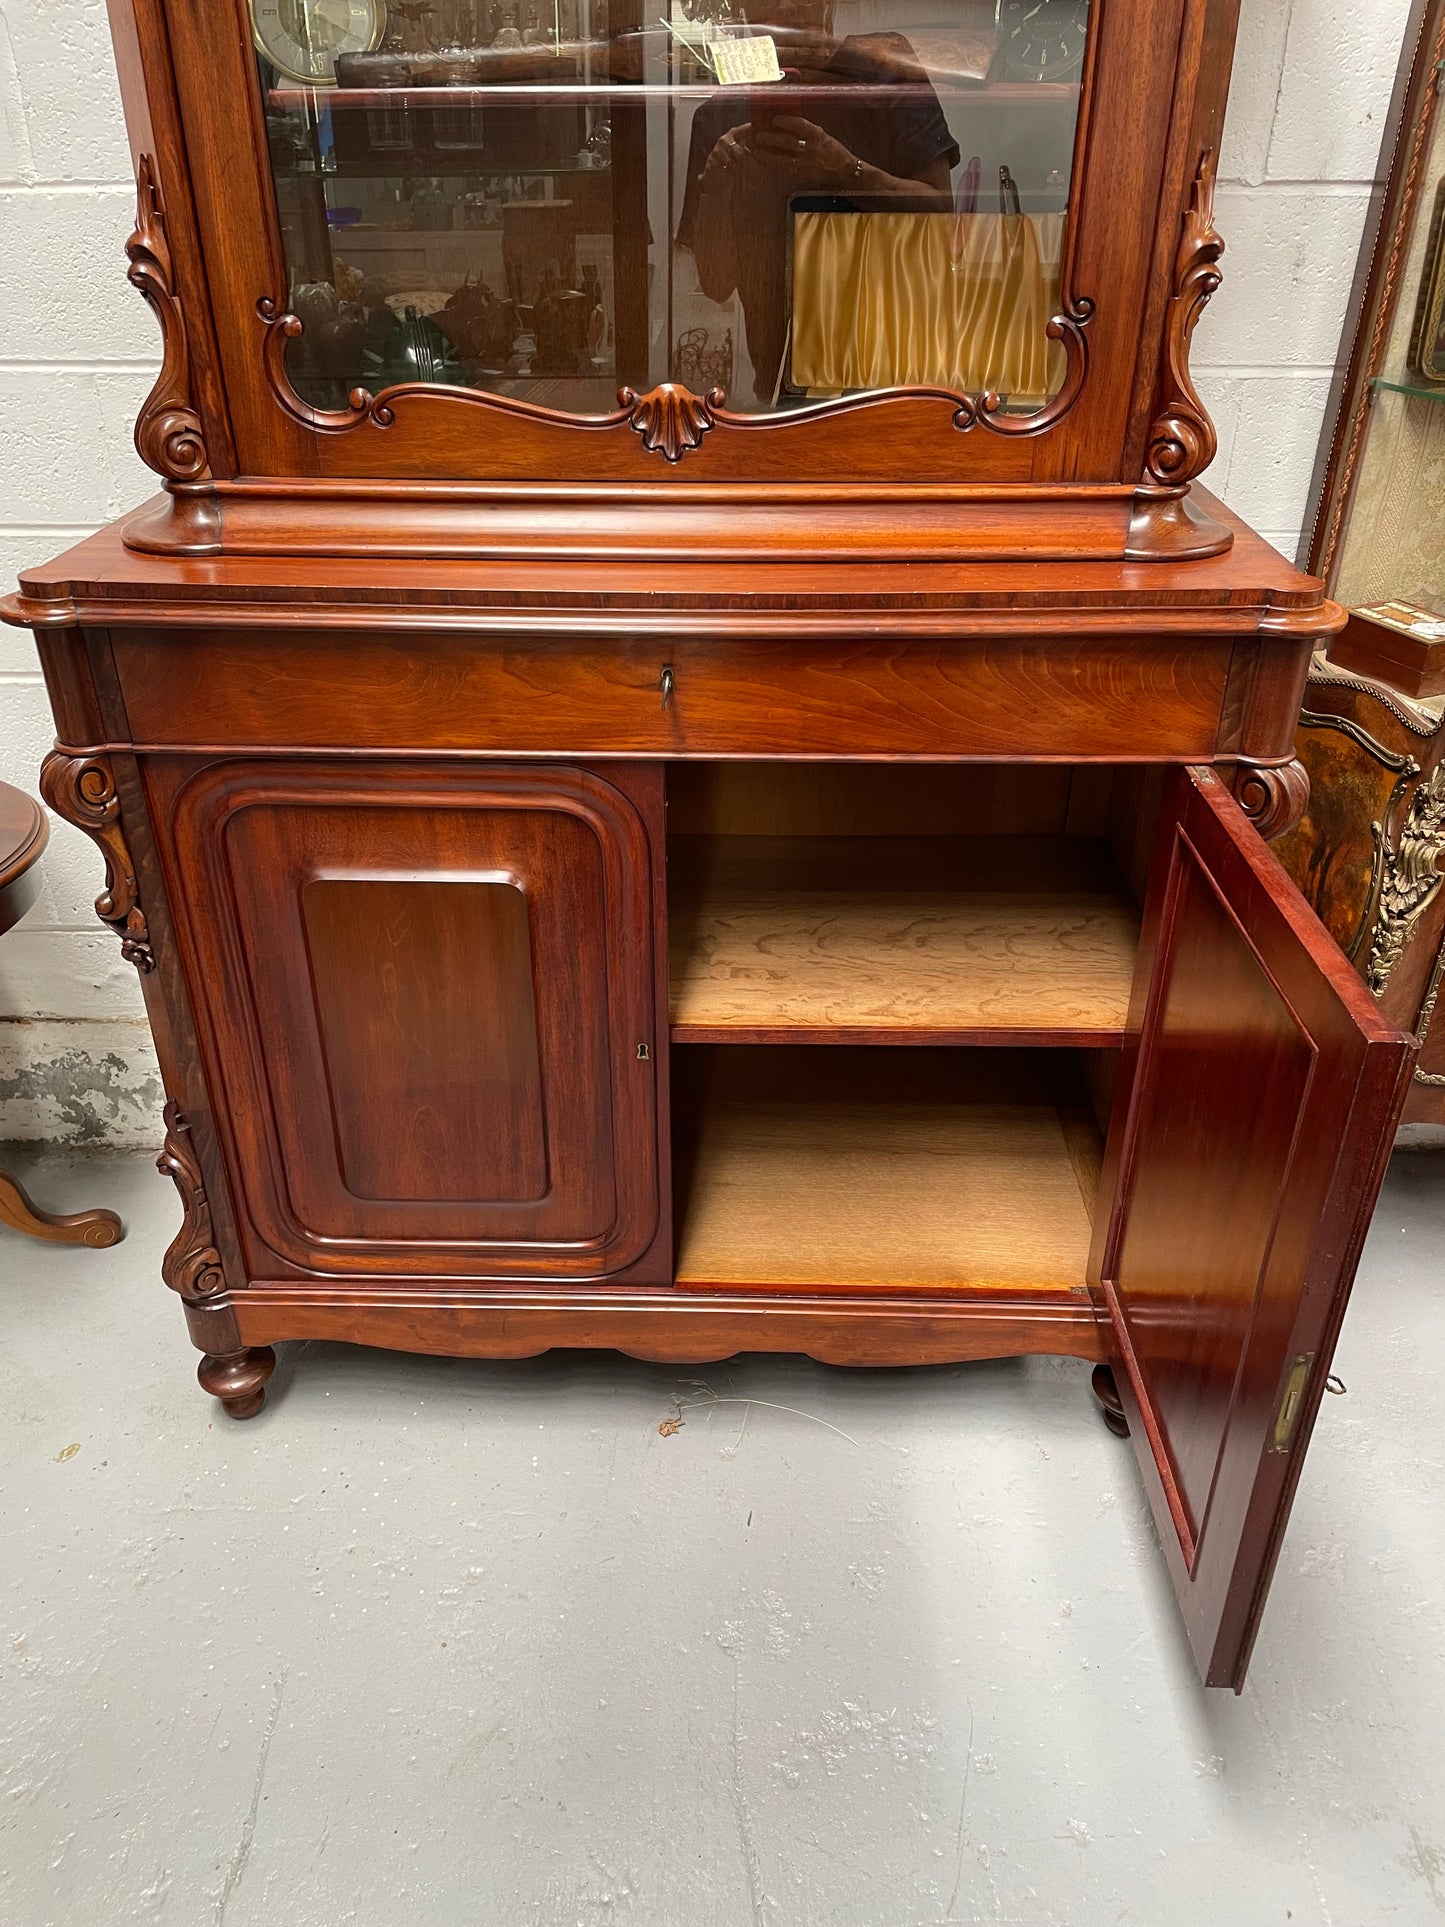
1006 95
1417 389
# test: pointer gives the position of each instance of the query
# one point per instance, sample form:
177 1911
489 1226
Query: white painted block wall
1312 87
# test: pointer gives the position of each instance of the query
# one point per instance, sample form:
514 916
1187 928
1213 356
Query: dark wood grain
1244 1168
361 1113
1056 696
1250 591
1368 852
672 1327
455 1081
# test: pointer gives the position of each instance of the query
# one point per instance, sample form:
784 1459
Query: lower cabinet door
1259 1094
428 995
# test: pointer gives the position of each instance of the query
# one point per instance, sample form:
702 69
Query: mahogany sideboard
690 874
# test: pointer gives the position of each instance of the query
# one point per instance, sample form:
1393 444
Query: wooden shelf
871 1171
925 940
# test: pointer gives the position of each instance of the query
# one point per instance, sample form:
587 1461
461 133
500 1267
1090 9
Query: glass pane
552 198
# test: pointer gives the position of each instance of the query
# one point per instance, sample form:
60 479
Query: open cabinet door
1259 1094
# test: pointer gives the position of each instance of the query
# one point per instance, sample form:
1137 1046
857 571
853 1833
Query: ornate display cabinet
1368 849
684 762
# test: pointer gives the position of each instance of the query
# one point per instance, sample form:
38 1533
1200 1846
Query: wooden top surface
24 830
1250 578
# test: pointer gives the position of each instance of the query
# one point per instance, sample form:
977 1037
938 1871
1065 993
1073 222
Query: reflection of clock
1043 39
301 38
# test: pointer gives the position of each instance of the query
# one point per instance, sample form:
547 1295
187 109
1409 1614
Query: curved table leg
95 1228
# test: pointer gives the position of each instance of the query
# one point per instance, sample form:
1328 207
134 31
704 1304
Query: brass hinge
1291 1404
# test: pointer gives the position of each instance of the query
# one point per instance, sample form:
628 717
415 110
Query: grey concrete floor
476 1645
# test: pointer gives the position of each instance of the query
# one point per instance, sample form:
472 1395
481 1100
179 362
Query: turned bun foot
1110 1404
238 1379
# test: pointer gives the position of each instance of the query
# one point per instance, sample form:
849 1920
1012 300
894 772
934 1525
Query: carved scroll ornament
168 434
192 1264
1182 441
1412 879
82 790
1273 798
670 419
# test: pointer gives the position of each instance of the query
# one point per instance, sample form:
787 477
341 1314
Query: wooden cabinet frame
373 715
1103 470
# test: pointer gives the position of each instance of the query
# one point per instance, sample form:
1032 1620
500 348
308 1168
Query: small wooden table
24 832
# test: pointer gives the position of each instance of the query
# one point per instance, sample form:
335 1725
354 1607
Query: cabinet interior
897 995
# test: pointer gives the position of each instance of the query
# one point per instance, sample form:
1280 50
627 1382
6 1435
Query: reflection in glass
541 199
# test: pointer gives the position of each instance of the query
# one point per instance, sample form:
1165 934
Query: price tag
744 62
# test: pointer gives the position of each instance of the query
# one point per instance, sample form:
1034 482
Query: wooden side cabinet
1367 852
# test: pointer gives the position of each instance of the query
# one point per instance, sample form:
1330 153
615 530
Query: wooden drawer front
1087 697
428 999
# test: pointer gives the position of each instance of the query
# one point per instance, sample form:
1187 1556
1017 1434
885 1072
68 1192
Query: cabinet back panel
429 1022
867 799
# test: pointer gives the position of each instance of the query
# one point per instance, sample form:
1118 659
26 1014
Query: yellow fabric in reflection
957 301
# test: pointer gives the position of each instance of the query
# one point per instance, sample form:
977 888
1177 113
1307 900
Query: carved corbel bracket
1274 799
192 1264
168 433
82 790
1182 441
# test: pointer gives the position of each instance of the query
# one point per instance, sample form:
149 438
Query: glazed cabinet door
427 994
1259 1094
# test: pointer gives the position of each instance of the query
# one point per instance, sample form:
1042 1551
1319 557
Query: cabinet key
666 684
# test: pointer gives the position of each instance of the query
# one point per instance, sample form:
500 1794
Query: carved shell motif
670 418
1182 441
168 434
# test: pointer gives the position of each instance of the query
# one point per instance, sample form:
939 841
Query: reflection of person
879 131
